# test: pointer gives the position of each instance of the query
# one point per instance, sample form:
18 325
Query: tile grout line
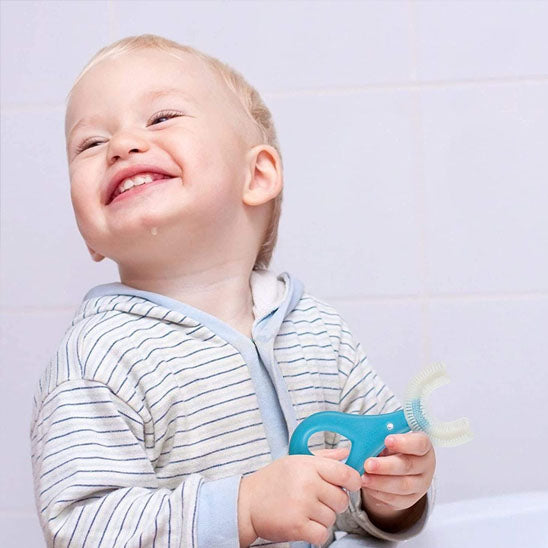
420 197
441 297
395 86
110 21
334 91
377 299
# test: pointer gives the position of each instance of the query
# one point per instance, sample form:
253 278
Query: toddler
164 417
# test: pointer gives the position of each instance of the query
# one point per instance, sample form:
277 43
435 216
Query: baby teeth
135 181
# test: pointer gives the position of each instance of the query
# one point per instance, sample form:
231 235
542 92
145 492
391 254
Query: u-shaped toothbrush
368 432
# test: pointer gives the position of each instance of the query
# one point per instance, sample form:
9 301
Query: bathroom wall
414 138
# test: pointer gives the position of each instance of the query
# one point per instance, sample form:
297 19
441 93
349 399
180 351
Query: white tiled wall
422 127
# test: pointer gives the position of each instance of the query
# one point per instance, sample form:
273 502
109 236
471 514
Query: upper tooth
130 182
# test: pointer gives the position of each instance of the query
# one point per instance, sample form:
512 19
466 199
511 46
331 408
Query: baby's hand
294 498
398 479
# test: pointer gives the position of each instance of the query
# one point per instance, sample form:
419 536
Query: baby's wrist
246 531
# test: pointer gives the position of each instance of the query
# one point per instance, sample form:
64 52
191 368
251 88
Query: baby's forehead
154 68
155 71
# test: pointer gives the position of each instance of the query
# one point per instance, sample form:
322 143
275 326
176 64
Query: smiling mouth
121 194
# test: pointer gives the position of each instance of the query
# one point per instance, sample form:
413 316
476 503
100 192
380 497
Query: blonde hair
249 97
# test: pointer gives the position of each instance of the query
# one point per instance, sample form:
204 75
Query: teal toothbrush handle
366 433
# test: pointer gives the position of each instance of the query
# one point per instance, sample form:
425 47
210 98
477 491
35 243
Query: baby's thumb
339 453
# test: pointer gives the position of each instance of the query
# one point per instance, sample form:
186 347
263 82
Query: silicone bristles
441 433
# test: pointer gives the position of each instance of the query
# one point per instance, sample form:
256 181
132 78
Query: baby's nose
122 144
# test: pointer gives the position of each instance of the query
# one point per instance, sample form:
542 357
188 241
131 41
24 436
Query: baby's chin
153 236
148 252
146 217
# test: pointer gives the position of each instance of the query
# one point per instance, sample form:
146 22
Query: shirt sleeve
364 392
94 483
218 513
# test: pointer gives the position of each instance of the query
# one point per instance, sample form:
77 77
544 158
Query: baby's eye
164 114
157 118
85 145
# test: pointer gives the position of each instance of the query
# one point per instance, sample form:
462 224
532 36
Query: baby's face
149 112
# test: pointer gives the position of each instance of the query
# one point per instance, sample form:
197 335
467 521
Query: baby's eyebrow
150 95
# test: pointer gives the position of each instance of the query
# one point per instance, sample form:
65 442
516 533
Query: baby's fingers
334 497
323 514
412 443
394 485
396 465
339 453
339 474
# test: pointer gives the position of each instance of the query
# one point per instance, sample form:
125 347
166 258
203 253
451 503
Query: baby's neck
225 294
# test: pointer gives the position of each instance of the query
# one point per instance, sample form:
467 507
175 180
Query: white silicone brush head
418 417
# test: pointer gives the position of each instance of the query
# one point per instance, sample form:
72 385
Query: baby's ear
264 179
97 257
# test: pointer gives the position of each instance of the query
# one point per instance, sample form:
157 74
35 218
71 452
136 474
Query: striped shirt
151 411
